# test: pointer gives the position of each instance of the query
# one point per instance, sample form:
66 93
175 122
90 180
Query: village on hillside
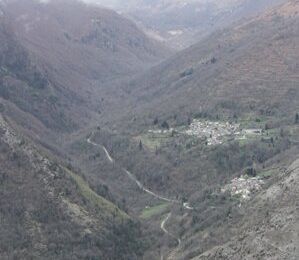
243 186
213 132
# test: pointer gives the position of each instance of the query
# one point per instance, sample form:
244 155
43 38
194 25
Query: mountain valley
115 145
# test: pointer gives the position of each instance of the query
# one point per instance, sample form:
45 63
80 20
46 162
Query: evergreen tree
140 145
165 125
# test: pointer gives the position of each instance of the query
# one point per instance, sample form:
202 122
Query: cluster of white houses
213 132
243 186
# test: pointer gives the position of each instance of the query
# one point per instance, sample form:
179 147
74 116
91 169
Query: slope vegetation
48 211
24 84
249 68
82 40
55 57
270 227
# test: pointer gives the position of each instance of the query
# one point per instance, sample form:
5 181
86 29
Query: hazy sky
126 3
110 3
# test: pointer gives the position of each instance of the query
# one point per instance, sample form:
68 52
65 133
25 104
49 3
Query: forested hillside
248 68
48 211
54 61
114 147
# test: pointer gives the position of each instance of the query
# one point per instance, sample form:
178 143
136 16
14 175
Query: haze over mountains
249 67
73 47
115 145
182 23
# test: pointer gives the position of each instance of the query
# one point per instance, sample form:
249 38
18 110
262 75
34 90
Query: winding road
153 194
173 252
102 146
133 178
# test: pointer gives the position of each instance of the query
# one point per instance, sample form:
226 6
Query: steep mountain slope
95 42
249 68
56 55
25 85
246 71
48 211
62 79
270 227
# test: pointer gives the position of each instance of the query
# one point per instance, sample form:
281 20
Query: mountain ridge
234 64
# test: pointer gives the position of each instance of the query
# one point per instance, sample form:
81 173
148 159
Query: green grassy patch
248 138
272 132
80 145
253 121
243 141
105 207
153 141
153 211
294 130
294 133
267 173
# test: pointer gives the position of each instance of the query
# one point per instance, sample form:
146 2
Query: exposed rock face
48 211
270 231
